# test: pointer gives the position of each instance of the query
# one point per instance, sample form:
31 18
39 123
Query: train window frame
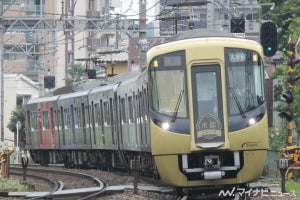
156 66
146 104
207 101
34 121
77 116
106 113
45 120
130 109
97 114
92 117
67 118
245 90
123 110
231 67
101 115
180 123
138 108
56 120
87 117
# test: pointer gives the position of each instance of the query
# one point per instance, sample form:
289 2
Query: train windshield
167 85
245 75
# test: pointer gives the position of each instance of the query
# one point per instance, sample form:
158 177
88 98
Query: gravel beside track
113 179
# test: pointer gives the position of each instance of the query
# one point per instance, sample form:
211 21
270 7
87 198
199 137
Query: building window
9 2
70 58
22 99
91 5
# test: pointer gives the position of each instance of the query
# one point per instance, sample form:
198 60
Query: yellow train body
172 151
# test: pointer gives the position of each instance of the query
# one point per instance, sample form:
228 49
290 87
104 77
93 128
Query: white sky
131 8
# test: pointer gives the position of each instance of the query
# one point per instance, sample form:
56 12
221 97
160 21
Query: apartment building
181 15
43 38
48 36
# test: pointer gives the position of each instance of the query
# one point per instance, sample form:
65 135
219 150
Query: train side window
67 118
145 104
33 121
86 119
82 116
130 109
101 114
138 108
123 112
77 117
57 119
106 114
62 117
111 111
97 114
91 114
46 123
28 119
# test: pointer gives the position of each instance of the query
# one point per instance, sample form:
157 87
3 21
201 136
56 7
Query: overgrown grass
12 185
292 186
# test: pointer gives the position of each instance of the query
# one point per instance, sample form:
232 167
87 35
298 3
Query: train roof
42 99
124 77
197 33
74 94
102 88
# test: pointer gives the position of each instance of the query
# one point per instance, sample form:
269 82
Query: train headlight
165 125
252 121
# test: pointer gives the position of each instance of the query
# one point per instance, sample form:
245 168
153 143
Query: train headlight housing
165 125
252 121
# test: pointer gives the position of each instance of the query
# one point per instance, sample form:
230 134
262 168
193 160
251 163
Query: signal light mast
289 156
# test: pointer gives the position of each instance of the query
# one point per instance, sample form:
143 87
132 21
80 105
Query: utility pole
41 57
1 71
142 35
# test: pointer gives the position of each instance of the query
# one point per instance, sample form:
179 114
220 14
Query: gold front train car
208 110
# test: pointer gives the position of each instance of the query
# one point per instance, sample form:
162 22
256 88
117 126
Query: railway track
117 186
62 183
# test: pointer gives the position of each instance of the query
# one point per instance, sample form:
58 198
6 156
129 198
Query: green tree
76 72
18 115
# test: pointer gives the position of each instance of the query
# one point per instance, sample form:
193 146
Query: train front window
245 80
167 85
245 85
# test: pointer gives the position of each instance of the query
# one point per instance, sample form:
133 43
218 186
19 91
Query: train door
52 127
40 126
138 118
208 107
101 122
28 127
84 119
72 123
93 127
57 127
87 125
33 130
107 123
63 132
98 135
113 121
124 121
144 120
132 132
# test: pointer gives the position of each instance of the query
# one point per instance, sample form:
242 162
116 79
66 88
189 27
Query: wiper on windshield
177 106
237 103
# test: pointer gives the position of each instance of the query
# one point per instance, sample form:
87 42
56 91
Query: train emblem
208 127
